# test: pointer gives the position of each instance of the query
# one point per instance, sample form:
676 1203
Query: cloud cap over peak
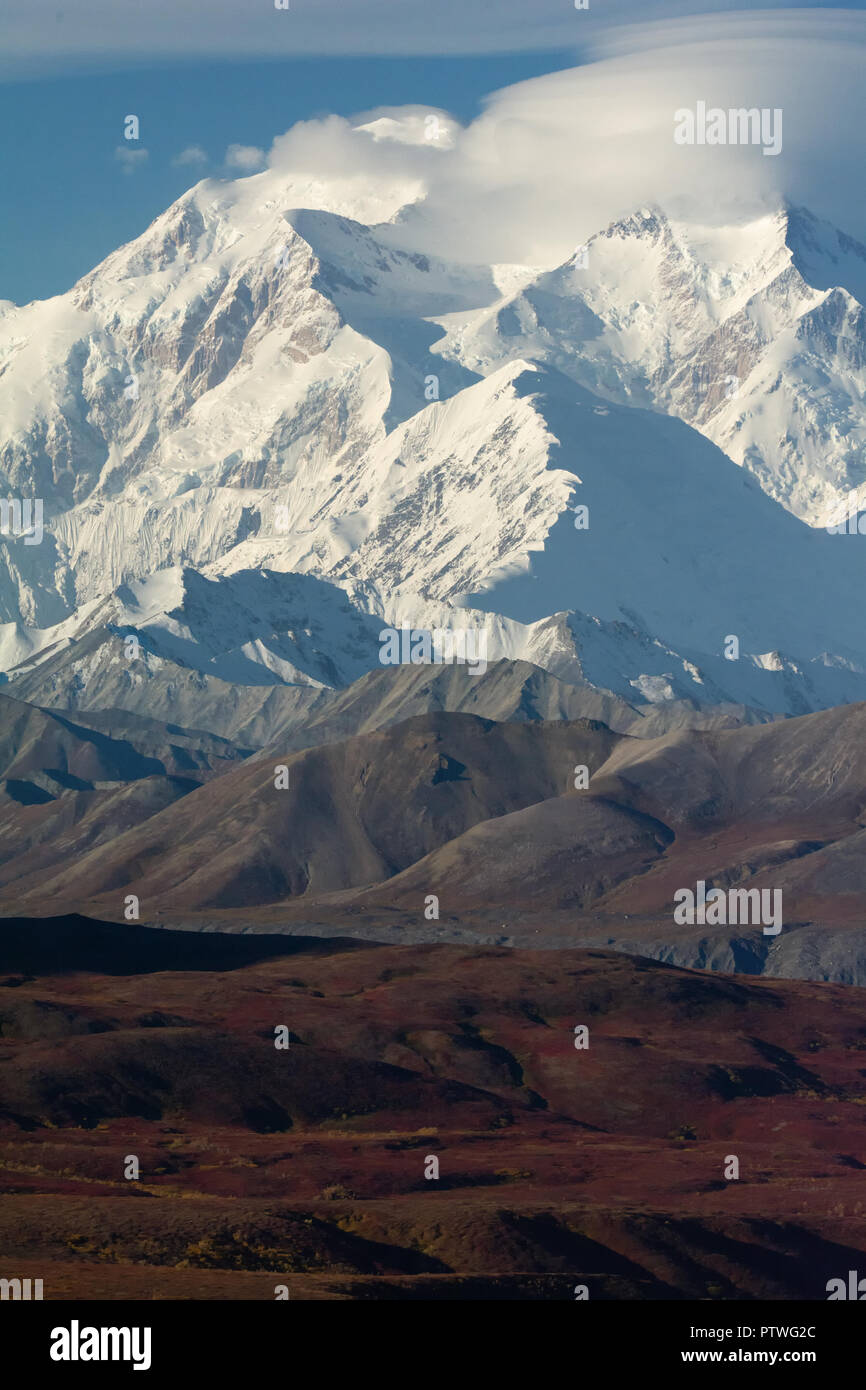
552 160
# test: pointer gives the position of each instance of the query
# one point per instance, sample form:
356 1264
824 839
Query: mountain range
286 917
263 431
521 829
266 433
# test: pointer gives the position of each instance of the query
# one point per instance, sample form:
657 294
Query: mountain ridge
258 387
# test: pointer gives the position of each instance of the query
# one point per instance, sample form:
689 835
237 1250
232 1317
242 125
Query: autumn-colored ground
305 1167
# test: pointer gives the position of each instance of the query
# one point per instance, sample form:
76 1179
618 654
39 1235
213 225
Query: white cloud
193 154
102 33
247 158
415 125
552 160
131 157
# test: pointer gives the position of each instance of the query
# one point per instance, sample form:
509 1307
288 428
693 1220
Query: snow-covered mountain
259 628
754 335
262 430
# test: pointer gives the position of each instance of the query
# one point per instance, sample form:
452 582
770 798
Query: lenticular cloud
552 160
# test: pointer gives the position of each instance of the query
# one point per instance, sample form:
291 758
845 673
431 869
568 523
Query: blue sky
70 200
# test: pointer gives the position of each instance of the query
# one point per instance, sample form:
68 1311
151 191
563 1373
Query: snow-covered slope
261 431
259 628
754 334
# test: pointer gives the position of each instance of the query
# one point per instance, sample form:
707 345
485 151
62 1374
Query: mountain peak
273 411
826 257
